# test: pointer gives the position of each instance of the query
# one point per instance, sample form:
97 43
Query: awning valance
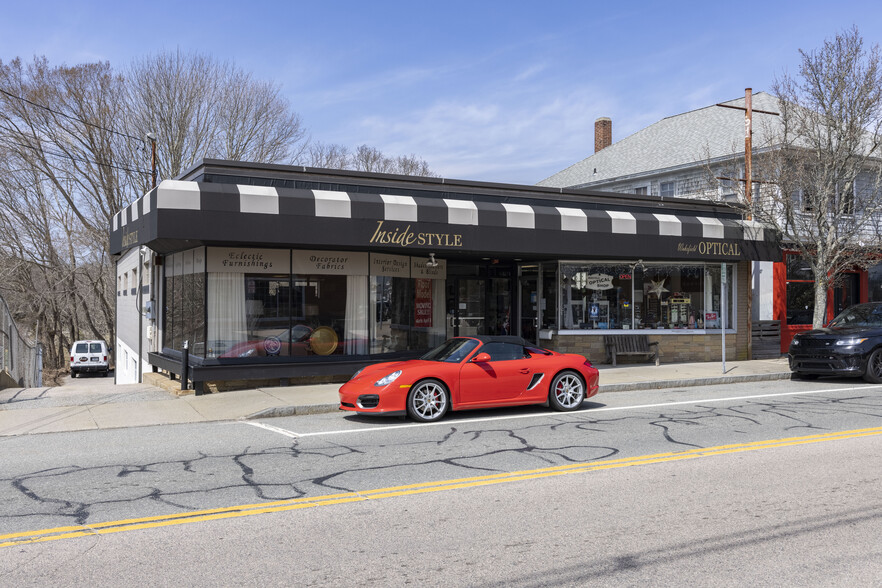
179 214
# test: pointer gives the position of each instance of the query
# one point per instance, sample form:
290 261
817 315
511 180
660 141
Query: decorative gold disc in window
323 341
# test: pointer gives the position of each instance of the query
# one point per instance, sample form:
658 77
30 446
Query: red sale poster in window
422 303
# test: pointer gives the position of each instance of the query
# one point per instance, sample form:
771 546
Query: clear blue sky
496 91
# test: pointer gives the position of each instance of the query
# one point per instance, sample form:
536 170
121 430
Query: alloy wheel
428 401
568 391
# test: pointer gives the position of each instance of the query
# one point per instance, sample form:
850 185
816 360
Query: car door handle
525 370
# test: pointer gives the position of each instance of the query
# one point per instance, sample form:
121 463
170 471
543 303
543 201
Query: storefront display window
185 301
329 305
598 296
407 313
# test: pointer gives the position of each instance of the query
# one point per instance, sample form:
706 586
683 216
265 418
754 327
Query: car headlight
355 375
850 342
794 343
388 379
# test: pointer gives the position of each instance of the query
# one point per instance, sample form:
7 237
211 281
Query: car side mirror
481 358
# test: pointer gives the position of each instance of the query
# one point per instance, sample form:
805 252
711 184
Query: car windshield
863 315
452 350
300 332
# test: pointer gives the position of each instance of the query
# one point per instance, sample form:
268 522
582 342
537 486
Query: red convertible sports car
471 372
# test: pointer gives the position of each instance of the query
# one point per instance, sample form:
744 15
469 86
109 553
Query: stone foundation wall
673 348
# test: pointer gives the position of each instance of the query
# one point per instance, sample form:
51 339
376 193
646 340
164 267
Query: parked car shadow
465 415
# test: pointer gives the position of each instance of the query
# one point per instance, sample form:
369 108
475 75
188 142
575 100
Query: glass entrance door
530 304
846 294
537 300
480 305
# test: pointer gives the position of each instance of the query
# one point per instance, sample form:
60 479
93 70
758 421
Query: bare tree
820 170
73 154
61 181
201 108
365 158
327 155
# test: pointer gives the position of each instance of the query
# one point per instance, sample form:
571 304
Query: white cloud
509 138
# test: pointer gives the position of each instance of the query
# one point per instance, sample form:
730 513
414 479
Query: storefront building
288 272
794 294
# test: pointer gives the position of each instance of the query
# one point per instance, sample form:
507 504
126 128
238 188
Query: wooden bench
629 345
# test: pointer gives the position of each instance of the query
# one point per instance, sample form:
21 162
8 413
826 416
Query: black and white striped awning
179 214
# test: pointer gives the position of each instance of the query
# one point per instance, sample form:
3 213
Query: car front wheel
427 401
567 391
874 367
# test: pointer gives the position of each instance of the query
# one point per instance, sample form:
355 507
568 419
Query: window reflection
644 296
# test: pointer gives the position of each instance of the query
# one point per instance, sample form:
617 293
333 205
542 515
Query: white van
89 356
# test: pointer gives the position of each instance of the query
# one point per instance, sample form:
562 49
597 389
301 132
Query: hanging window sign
338 263
396 266
598 282
242 260
177 264
189 266
422 303
420 268
199 259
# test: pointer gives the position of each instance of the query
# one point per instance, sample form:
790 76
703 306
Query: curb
716 381
286 411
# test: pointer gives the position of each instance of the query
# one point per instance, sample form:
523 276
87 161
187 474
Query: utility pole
748 195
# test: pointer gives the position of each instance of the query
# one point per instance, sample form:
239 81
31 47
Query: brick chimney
602 133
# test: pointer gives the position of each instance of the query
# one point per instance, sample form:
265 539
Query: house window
640 190
845 198
667 189
807 199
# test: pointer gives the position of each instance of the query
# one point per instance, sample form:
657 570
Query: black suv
851 345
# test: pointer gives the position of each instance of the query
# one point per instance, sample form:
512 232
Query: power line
80 159
73 118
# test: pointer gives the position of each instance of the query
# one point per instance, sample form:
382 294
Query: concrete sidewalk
51 410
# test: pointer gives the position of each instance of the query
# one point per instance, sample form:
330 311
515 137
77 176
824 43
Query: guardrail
21 362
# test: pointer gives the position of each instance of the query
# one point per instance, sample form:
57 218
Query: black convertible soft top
498 339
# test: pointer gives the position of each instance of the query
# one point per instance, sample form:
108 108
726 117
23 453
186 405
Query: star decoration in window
658 287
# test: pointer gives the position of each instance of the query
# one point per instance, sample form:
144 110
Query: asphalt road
758 483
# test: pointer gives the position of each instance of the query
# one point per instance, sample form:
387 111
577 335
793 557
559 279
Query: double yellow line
438 486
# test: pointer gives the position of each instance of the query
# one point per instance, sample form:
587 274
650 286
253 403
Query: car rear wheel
874 367
427 401
567 391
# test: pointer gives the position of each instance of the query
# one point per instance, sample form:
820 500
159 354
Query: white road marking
589 412
278 430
